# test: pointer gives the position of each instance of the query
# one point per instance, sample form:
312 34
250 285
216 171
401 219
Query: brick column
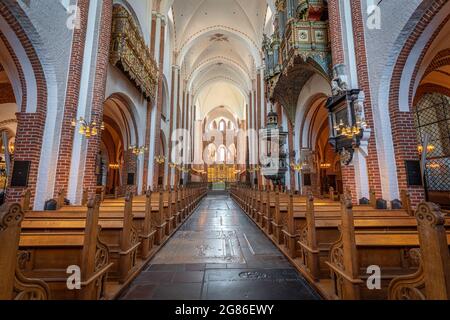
90 178
262 109
30 126
174 118
72 99
335 31
404 131
250 145
363 81
290 158
129 166
160 61
147 145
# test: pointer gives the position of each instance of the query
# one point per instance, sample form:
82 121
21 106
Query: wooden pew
129 242
387 238
125 225
13 284
431 281
319 232
47 256
118 232
281 216
159 220
147 232
356 250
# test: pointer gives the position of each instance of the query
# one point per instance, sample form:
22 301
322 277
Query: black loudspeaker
20 174
130 180
413 172
307 180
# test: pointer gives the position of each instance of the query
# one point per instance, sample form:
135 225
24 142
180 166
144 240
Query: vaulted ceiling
219 42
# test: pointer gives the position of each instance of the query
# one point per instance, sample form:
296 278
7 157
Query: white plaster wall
316 85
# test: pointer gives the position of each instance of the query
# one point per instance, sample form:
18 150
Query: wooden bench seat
357 250
53 240
309 230
14 285
47 256
119 233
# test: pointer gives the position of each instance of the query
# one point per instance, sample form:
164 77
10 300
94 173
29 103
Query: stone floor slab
219 253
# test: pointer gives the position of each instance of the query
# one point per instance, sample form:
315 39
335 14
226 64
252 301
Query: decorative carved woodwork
13 284
347 240
298 49
432 279
130 53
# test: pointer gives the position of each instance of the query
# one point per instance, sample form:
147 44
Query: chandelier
430 148
160 159
347 123
114 166
325 165
297 167
349 131
172 165
138 150
87 129
185 170
255 169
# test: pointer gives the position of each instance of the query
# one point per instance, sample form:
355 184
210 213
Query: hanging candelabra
173 165
160 159
87 129
297 167
138 150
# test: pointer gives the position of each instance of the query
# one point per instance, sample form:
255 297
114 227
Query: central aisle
219 254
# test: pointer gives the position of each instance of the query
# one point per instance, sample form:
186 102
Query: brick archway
402 122
30 127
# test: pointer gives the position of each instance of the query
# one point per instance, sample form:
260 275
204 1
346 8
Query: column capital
158 15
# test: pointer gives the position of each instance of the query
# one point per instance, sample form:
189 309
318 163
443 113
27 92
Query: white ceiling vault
217 44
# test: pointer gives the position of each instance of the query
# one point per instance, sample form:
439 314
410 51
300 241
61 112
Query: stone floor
219 254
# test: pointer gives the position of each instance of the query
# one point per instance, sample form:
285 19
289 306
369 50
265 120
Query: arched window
231 154
222 125
221 154
212 154
433 120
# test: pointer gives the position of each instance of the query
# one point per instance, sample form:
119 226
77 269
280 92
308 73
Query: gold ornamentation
130 53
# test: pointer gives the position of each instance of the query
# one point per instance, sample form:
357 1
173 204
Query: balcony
297 50
131 55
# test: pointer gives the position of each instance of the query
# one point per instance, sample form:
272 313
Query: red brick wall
90 179
172 121
291 159
72 99
337 53
30 127
160 101
6 93
130 166
403 129
428 88
335 32
363 80
147 144
348 181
